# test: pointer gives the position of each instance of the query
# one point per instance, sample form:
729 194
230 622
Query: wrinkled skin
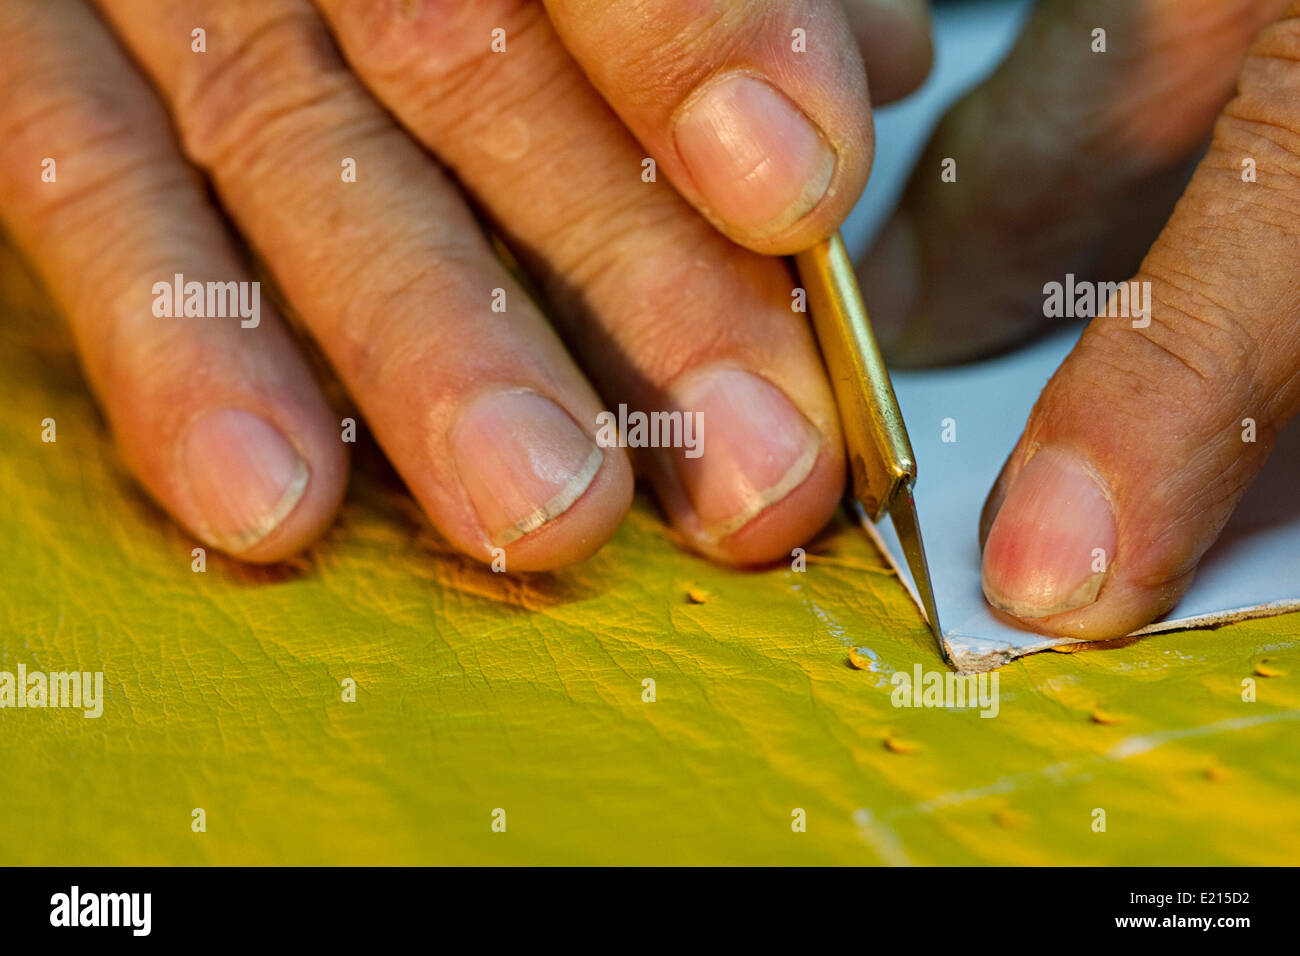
344 141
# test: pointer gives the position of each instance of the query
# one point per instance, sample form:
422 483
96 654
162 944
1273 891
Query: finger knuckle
233 102
90 122
434 40
659 51
684 303
113 155
1196 360
1264 109
383 336
69 121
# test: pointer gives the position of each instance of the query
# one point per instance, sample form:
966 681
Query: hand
1069 162
325 130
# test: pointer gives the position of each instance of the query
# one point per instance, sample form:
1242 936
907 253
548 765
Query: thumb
1145 439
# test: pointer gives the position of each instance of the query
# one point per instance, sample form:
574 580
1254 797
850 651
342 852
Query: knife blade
881 463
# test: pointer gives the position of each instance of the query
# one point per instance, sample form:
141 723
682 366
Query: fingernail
522 460
1053 539
244 475
758 161
756 447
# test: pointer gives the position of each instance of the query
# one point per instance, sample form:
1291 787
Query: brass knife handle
880 456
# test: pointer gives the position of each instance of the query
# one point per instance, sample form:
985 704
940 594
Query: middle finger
664 312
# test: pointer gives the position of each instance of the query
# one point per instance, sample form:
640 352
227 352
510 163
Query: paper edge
973 655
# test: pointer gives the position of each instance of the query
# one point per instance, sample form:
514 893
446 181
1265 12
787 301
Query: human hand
1068 162
324 129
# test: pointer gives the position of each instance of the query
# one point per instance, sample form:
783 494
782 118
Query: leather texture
478 691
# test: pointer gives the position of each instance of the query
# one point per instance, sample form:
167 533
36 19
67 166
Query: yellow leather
478 691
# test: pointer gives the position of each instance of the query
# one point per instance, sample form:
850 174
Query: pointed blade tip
907 526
